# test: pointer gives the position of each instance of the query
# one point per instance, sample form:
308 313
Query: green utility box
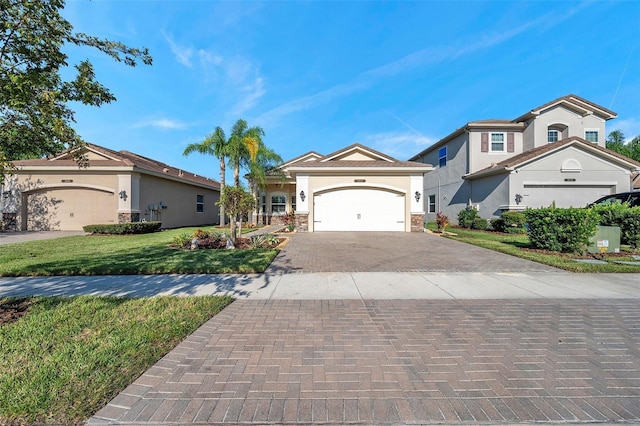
606 240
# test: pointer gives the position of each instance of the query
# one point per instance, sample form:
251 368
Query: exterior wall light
302 195
123 195
418 197
518 198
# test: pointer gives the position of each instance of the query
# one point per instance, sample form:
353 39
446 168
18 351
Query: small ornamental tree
236 202
441 221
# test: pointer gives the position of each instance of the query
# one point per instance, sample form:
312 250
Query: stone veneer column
417 222
302 222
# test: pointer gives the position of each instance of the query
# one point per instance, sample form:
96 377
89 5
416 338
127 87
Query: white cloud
162 123
630 127
252 93
183 54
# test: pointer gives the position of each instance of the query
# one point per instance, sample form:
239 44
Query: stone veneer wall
128 217
417 222
302 222
267 219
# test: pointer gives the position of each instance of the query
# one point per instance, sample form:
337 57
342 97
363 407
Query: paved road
397 362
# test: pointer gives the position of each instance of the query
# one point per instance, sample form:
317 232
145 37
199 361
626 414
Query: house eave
359 170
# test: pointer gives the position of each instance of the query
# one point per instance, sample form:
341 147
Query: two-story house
553 154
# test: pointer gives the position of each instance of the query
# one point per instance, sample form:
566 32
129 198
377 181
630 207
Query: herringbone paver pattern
409 362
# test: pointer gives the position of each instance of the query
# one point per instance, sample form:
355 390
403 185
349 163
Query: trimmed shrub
563 230
467 216
510 223
625 217
480 223
182 240
123 228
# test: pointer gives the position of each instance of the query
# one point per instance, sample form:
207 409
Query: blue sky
395 76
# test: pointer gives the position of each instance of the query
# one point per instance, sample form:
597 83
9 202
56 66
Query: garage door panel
536 196
69 209
359 210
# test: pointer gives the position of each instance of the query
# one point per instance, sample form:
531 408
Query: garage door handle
317 221
400 221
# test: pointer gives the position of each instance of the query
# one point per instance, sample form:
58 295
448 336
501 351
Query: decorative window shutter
510 142
484 145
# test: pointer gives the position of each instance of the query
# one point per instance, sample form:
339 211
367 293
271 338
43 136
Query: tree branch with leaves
35 117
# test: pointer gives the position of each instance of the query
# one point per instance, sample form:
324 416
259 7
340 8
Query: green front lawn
68 357
125 255
518 245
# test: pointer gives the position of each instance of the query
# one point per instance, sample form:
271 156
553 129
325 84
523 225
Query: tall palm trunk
223 171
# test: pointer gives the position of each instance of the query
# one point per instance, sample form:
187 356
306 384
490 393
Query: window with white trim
199 203
591 135
497 142
552 136
293 203
432 204
442 156
278 203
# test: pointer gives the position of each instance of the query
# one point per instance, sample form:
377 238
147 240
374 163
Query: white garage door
564 196
358 210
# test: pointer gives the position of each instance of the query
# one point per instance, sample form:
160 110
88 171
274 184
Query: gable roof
368 159
106 158
572 101
531 155
361 149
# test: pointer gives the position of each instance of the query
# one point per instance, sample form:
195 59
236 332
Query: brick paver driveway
391 252
397 362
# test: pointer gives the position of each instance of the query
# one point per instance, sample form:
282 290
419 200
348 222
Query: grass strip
125 255
68 357
517 245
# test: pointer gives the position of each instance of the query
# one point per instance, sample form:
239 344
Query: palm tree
215 144
244 144
262 160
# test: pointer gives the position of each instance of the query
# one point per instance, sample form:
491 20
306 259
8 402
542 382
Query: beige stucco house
553 153
116 187
353 189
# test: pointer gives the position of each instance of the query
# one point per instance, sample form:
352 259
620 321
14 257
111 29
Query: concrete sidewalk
339 286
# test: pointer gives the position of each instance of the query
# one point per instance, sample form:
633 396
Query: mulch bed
12 310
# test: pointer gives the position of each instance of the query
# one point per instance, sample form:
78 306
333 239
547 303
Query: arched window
556 132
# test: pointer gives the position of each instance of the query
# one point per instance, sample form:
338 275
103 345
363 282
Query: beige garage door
70 209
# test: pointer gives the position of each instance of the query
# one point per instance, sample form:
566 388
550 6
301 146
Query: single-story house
353 189
115 187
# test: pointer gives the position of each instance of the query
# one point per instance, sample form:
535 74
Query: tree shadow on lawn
158 270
